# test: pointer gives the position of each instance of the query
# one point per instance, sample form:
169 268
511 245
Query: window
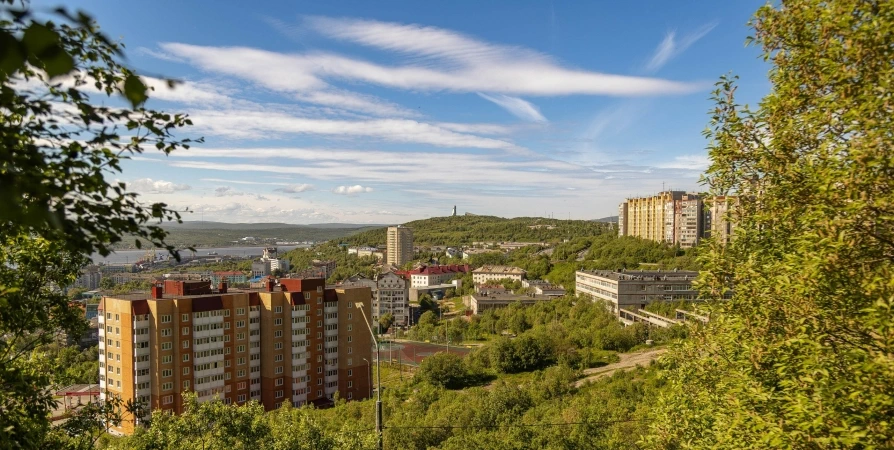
319 358
185 344
109 316
240 336
166 318
226 313
350 395
185 384
278 369
227 351
240 361
350 372
350 316
240 348
350 305
240 324
278 382
240 398
228 388
320 369
226 338
186 371
167 373
277 346
319 393
350 384
277 321
184 317
241 385
228 375
279 394
240 373
350 327
350 338
117 317
307 295
226 325
185 357
319 347
277 358
277 310
227 363
167 400
319 335
350 350
184 331
166 345
350 363
277 333
319 323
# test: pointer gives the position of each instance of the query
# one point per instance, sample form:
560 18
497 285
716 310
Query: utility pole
379 425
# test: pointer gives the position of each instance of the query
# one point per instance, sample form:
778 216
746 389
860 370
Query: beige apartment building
674 217
718 223
400 246
298 342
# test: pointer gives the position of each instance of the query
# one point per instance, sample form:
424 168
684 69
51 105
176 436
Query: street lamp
369 376
379 424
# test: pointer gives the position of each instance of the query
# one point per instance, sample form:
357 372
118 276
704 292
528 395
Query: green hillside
228 235
463 230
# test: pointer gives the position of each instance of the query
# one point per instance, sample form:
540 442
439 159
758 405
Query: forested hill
460 230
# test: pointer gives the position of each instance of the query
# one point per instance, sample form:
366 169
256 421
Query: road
628 361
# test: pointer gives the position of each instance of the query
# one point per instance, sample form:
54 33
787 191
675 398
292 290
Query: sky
392 111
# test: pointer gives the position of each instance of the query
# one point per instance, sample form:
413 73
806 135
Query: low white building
435 275
485 274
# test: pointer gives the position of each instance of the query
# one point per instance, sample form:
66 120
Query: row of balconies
208 359
208 333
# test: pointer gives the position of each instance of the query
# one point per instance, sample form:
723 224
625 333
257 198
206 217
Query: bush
443 369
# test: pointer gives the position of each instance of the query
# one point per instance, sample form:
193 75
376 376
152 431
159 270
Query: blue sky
385 112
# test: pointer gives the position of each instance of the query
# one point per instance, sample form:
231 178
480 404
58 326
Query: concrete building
484 274
268 263
436 274
470 252
718 223
635 289
230 276
549 290
390 294
89 278
299 343
647 217
366 252
480 303
400 245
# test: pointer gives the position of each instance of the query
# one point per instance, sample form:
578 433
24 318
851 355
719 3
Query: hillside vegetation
463 230
228 236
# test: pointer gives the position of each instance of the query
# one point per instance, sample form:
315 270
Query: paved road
628 361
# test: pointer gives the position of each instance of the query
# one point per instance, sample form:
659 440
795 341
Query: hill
202 225
215 234
463 230
609 219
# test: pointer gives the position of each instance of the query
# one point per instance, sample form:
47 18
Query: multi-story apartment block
400 246
647 217
484 274
299 343
390 294
433 275
635 289
672 217
718 223
327 267
268 263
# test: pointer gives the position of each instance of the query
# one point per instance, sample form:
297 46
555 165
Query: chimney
222 286
270 284
158 290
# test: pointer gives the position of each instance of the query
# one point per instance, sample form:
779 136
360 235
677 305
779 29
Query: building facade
634 290
400 245
390 294
298 343
485 274
268 263
434 275
646 217
675 218
718 223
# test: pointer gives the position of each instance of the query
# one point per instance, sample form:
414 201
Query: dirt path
628 361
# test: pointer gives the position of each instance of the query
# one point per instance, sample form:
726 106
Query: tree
385 321
428 318
799 357
443 369
58 151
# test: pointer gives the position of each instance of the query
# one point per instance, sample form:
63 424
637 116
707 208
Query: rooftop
507 270
509 297
647 275
439 270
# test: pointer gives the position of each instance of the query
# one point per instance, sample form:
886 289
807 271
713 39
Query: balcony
255 387
208 372
209 333
141 351
296 386
298 373
209 346
331 332
141 337
331 309
299 313
102 344
144 392
217 384
299 398
331 378
209 359
254 337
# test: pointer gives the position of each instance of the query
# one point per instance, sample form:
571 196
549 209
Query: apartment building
434 275
675 218
484 274
390 294
399 245
718 223
298 342
268 263
633 290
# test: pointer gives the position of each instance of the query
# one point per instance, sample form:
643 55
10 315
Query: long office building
675 218
633 290
399 249
298 342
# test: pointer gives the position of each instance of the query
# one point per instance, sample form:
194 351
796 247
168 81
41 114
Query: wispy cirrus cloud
437 60
516 106
294 188
670 47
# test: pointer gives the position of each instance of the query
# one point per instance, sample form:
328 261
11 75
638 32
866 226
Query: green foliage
800 357
218 237
71 365
463 230
386 320
445 370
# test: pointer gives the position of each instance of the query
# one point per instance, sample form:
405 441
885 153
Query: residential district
279 334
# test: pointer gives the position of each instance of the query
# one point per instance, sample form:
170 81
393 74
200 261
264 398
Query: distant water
131 256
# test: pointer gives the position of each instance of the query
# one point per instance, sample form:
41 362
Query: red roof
440 270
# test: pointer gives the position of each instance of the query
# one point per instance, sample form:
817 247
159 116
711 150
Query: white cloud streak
351 190
148 185
670 47
294 188
516 106
439 60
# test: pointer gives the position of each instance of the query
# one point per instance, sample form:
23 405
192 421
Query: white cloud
257 124
688 162
150 186
353 101
350 190
294 188
516 106
185 92
438 60
670 48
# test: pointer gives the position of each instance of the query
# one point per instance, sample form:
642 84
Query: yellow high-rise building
400 246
